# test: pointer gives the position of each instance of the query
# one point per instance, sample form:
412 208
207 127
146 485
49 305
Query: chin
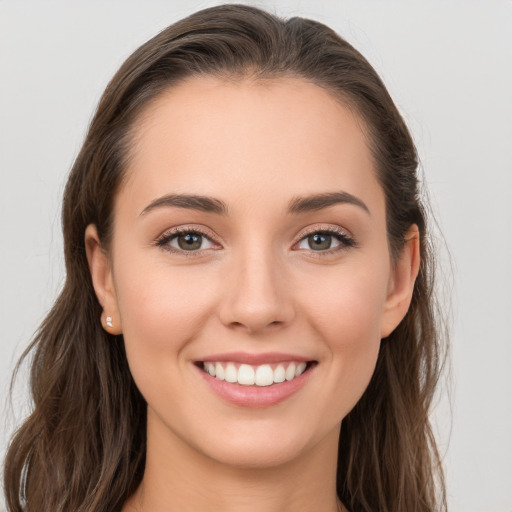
251 455
263 444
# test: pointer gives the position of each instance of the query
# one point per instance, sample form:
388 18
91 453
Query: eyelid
187 228
325 229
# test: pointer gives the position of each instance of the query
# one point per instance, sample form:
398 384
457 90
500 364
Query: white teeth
219 371
231 374
247 375
264 375
300 369
279 374
210 368
290 371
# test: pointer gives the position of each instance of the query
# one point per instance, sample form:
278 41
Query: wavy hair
83 446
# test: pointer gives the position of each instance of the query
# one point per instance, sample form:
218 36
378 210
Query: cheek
345 310
162 309
346 305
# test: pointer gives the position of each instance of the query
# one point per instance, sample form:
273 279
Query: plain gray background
448 65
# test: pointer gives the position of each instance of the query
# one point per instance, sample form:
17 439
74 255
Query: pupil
189 242
320 241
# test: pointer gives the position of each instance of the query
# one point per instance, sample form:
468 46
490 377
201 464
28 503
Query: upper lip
254 359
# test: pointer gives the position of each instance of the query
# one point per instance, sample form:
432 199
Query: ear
401 282
102 280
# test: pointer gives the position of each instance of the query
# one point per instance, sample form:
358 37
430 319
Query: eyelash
346 241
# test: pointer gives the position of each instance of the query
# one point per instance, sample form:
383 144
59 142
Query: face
250 242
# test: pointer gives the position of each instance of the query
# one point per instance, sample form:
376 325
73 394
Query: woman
248 318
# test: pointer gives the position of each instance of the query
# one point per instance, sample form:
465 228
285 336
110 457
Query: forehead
242 139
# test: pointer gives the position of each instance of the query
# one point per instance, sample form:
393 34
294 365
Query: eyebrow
320 201
300 204
189 201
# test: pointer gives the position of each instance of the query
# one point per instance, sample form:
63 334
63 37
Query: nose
257 296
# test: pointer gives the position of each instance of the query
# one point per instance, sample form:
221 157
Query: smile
255 381
250 375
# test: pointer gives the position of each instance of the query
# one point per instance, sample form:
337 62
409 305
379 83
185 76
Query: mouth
255 380
263 375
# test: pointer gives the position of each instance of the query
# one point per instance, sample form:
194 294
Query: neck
179 478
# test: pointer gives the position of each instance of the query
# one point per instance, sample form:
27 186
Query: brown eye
319 241
189 241
185 241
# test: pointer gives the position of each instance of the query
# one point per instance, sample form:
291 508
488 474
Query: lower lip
256 396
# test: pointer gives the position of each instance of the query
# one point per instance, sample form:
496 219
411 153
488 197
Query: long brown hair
83 446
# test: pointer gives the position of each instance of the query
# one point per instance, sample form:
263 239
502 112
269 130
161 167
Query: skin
258 286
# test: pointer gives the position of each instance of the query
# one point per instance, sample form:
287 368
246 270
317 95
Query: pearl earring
108 321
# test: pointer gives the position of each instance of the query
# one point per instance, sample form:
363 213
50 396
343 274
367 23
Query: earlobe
102 280
402 280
